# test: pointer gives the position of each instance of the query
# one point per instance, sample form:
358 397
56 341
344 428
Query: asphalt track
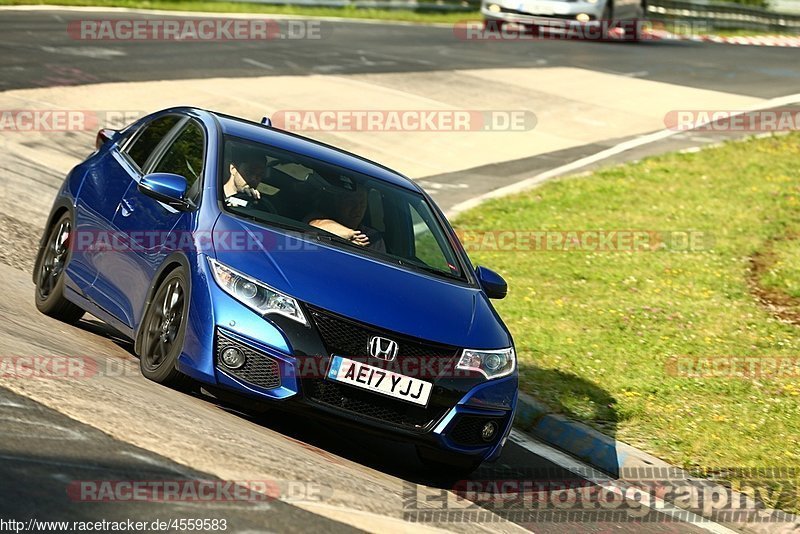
118 426
32 42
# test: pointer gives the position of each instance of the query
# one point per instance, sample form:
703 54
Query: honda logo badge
382 348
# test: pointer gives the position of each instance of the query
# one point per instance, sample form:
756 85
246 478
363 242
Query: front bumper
540 12
288 362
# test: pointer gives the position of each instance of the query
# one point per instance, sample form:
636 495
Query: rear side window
185 155
147 140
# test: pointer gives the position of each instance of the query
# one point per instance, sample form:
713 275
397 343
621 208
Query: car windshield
345 208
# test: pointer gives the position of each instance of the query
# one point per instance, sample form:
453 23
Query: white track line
257 63
605 154
603 480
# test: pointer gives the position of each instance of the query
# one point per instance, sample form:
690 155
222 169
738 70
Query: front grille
467 430
259 369
348 338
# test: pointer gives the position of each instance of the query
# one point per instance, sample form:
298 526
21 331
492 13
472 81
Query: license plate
537 8
380 380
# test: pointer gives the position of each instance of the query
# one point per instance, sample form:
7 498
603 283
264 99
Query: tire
163 332
442 463
55 255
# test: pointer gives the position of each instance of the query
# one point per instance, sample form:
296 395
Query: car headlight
491 363
256 295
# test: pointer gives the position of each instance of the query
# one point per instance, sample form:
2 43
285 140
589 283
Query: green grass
403 15
595 331
784 275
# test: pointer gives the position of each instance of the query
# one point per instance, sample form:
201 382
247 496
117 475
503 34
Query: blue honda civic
276 269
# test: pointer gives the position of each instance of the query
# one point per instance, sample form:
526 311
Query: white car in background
624 14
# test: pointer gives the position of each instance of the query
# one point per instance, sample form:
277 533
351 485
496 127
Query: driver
246 170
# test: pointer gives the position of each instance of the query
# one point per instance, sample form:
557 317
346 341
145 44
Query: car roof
289 141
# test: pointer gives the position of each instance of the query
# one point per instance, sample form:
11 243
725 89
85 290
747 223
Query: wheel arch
174 261
60 207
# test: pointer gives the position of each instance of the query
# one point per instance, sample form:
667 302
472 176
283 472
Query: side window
426 249
149 137
185 155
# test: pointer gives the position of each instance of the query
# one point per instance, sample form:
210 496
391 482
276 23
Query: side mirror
492 283
103 137
167 188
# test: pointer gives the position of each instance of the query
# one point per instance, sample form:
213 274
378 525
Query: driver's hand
255 193
359 238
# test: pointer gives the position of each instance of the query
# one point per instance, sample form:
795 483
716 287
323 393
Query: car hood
360 287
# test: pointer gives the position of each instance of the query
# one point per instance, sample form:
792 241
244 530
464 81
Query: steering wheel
262 204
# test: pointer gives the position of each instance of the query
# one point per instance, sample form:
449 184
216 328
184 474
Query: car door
102 203
102 188
155 229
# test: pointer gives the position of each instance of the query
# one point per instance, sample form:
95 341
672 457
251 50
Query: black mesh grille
374 406
259 369
467 430
350 339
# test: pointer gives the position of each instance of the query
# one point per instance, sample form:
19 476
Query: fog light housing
582 17
232 358
494 8
488 431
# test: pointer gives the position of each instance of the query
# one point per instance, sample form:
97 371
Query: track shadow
95 326
56 469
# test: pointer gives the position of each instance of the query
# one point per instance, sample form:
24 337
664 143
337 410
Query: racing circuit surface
112 424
